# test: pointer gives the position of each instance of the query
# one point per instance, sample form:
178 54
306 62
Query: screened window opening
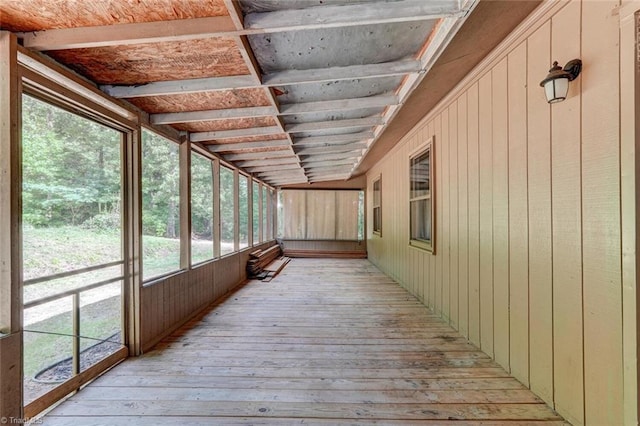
201 208
256 212
160 205
243 200
227 209
265 220
421 198
377 206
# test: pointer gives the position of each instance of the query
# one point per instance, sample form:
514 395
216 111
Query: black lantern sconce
556 83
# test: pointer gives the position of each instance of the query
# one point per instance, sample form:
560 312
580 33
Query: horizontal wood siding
528 227
168 303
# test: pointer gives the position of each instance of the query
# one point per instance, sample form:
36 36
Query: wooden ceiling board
150 62
37 15
231 124
203 101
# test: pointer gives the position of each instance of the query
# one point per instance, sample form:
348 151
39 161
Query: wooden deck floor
326 342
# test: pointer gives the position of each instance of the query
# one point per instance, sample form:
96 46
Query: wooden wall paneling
540 235
630 117
437 294
445 197
518 217
500 213
453 215
485 156
11 394
473 115
463 219
601 233
567 226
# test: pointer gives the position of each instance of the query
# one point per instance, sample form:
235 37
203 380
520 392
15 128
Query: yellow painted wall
529 230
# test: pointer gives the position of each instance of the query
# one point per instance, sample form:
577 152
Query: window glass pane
71 199
201 208
377 219
420 166
421 220
256 213
244 211
376 193
265 221
227 207
160 205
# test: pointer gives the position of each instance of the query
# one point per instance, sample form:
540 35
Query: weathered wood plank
296 349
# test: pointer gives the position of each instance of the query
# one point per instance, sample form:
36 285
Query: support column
11 395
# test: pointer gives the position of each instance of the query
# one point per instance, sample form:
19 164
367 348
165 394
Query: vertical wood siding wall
528 260
168 303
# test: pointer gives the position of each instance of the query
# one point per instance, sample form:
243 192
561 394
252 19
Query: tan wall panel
463 219
540 237
453 215
500 214
567 229
602 285
473 115
518 217
485 156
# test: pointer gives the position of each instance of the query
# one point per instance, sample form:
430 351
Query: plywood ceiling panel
149 62
37 15
240 123
202 101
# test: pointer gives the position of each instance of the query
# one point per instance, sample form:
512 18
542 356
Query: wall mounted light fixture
556 83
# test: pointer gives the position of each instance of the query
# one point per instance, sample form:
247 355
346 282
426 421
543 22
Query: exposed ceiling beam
275 168
343 162
334 124
174 87
314 75
254 23
278 78
259 155
347 15
268 162
332 149
328 172
225 147
235 133
336 156
339 105
327 140
283 174
323 178
125 34
214 114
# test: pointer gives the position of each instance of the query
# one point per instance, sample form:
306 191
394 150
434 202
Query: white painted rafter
334 124
338 105
229 147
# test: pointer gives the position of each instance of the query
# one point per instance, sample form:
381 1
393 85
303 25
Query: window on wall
201 208
160 205
421 198
243 222
227 209
256 212
377 206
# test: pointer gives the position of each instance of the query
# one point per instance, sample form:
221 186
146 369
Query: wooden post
11 396
132 239
216 208
185 202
